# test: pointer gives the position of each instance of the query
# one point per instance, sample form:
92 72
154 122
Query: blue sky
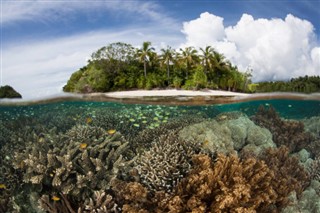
44 42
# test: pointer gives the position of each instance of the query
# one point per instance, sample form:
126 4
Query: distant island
120 66
9 92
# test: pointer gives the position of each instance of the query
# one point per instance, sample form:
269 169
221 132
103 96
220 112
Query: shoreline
164 97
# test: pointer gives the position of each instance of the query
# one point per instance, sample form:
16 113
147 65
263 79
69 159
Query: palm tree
189 57
144 55
166 58
207 58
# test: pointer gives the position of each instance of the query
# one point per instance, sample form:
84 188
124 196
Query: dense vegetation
9 92
120 66
307 84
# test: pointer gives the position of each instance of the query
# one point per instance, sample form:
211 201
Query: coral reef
72 167
245 132
56 204
165 163
214 137
285 132
314 169
309 201
228 185
100 203
289 174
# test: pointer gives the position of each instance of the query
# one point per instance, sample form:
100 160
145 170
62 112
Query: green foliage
199 78
119 66
177 82
9 92
306 84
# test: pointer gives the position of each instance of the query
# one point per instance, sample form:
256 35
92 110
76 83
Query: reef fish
55 198
111 131
88 120
83 145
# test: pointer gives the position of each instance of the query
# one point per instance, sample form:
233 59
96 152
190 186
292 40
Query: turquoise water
55 157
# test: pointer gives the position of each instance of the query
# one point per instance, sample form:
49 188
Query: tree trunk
168 71
145 69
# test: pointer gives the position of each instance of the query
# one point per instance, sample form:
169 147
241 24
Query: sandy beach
171 92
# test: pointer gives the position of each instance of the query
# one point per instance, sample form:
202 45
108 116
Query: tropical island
8 92
120 66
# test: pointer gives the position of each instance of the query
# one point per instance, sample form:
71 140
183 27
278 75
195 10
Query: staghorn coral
165 163
228 185
289 174
68 167
101 203
285 132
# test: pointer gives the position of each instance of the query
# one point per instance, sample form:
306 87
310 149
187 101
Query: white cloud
48 11
276 49
41 68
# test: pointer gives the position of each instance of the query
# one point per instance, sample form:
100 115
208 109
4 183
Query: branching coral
228 185
165 163
288 133
289 174
101 203
73 167
61 204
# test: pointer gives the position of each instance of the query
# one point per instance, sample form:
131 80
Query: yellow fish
2 186
55 198
111 131
89 120
206 142
83 145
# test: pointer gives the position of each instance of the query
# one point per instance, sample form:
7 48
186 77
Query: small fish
83 145
88 120
2 186
206 142
55 198
289 105
111 131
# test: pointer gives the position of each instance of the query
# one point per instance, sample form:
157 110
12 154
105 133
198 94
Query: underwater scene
93 156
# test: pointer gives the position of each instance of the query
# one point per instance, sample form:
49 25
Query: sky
44 42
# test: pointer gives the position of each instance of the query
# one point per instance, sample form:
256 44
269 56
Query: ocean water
94 156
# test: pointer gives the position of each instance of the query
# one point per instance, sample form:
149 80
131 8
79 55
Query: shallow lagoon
93 156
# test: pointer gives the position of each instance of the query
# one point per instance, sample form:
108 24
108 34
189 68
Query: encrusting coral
165 163
72 167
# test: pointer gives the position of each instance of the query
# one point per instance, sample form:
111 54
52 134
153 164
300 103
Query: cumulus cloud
276 49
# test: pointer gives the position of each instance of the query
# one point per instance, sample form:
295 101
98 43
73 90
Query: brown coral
228 185
289 174
285 132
